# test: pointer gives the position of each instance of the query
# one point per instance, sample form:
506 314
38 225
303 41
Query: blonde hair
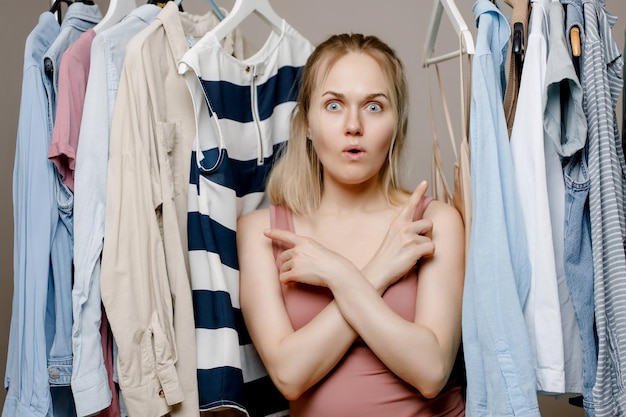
296 179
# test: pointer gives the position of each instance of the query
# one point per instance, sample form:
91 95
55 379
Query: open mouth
354 152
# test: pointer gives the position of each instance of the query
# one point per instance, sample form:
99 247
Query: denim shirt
34 209
58 324
40 338
498 357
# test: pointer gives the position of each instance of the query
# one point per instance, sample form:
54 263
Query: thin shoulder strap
421 207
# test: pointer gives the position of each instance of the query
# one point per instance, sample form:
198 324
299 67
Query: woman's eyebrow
367 97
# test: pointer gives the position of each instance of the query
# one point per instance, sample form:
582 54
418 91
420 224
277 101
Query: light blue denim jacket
79 18
500 375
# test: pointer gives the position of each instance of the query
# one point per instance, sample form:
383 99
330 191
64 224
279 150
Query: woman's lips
354 153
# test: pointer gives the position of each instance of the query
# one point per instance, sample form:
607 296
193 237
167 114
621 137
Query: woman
351 287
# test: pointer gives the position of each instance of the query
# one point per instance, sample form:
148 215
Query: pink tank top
360 385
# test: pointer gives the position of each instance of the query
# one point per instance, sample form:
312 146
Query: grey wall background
401 23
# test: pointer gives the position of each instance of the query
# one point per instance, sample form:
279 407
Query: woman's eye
374 107
332 106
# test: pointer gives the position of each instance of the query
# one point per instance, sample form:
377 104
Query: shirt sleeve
89 378
134 280
34 212
69 111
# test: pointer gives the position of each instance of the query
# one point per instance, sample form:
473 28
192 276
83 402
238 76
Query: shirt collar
145 12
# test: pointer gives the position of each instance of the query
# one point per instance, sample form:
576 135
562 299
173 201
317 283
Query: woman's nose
353 123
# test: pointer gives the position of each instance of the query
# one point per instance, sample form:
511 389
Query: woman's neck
348 199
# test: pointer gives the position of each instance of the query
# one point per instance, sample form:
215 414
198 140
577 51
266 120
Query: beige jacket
145 271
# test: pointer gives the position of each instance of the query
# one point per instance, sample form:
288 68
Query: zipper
255 111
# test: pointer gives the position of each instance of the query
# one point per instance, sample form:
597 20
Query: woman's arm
295 360
420 352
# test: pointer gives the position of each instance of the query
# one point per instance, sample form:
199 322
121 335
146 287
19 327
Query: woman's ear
308 133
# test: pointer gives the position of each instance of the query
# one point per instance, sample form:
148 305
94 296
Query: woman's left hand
306 260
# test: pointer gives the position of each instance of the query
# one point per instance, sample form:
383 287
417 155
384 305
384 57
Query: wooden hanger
574 37
452 11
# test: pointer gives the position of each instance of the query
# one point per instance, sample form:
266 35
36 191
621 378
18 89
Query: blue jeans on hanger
579 267
59 310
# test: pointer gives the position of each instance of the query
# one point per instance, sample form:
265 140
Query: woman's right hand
405 243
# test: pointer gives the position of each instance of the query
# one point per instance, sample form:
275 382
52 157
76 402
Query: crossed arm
421 352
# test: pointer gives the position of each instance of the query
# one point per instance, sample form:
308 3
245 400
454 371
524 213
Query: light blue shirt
89 380
500 375
34 208
40 338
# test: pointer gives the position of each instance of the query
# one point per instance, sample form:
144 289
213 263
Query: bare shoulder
439 212
254 220
251 240
447 222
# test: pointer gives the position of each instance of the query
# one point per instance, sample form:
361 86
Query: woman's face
351 121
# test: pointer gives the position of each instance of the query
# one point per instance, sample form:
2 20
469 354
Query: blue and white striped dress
243 112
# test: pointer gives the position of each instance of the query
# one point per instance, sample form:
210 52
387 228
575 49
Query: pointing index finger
414 200
283 236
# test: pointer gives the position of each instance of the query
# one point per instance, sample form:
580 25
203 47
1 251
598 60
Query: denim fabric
34 209
79 18
89 380
579 266
500 375
565 128
564 119
59 321
42 240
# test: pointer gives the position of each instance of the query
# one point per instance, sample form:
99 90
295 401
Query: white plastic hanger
467 42
118 9
243 9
